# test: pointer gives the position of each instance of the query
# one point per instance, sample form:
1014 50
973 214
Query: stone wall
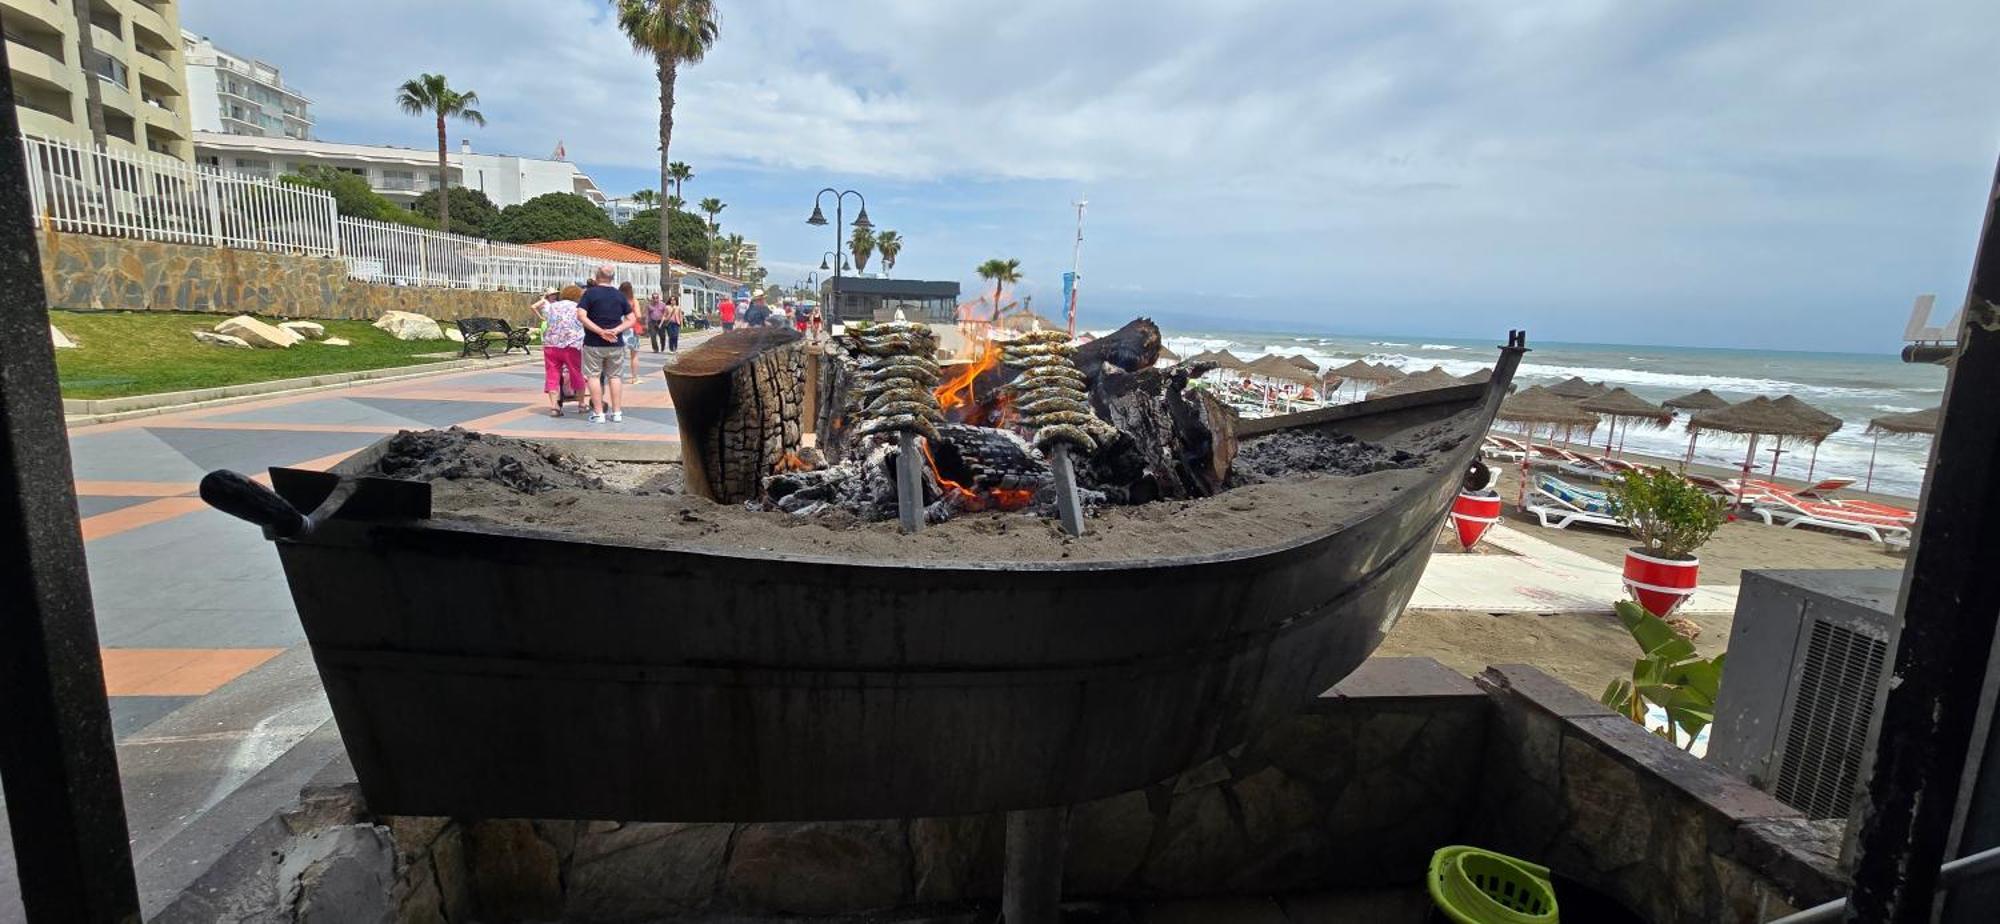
1600 800
85 272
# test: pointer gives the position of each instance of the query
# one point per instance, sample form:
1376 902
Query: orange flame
972 500
956 393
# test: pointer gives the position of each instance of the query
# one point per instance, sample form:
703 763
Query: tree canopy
353 198
472 214
431 94
553 217
689 237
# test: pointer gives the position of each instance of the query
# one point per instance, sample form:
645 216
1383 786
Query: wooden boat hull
681 685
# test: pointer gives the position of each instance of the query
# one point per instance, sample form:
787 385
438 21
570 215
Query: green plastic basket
1474 886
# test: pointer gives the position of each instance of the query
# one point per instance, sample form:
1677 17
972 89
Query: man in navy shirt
605 314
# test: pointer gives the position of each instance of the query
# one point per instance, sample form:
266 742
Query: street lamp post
839 221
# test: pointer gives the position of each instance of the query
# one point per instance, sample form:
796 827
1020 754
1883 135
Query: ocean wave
1386 343
1691 381
1436 346
1896 409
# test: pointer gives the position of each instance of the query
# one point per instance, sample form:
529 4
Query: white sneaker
596 418
617 416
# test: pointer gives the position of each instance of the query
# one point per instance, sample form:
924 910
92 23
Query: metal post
909 482
64 806
1031 891
1948 607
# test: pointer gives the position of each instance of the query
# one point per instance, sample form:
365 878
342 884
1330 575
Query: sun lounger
1791 511
1557 504
1556 456
1507 443
1497 450
1829 489
1825 489
1617 466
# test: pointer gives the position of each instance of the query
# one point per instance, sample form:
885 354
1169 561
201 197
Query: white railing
78 189
129 194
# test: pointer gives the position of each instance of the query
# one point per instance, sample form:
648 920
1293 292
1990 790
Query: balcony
47 13
31 63
143 14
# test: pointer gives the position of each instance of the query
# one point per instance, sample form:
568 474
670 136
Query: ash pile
989 429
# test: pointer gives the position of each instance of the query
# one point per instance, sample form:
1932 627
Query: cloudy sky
1782 174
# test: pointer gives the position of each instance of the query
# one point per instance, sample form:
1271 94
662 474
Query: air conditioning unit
1800 705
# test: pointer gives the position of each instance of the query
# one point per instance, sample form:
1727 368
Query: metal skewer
1068 506
909 482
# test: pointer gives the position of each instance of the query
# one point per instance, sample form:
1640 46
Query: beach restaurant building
860 298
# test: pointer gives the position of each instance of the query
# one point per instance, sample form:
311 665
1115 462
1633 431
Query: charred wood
1131 348
738 398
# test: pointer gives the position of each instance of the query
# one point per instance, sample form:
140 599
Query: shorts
599 361
630 338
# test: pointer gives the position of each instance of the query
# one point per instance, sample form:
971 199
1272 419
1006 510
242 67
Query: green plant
1671 675
472 214
890 244
689 237
431 94
862 245
1000 271
353 198
553 217
1667 514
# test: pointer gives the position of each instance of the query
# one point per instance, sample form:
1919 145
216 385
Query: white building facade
234 95
135 62
398 174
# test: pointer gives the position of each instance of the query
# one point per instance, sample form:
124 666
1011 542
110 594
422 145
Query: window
399 180
254 166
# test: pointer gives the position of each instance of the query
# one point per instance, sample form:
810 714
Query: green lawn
145 352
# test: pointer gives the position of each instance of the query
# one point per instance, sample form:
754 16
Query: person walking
656 321
632 334
758 315
606 314
562 337
672 322
726 312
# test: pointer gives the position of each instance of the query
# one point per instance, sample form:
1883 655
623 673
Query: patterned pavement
189 599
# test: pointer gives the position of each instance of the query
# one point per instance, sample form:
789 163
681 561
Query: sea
1855 387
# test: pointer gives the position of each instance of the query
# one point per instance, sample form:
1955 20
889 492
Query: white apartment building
136 63
397 173
234 95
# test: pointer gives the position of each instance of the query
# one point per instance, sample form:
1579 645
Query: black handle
244 499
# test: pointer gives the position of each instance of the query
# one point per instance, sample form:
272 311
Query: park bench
481 334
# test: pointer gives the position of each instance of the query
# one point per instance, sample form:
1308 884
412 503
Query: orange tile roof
597 248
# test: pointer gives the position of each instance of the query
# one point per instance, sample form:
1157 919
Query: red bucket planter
1660 585
1472 514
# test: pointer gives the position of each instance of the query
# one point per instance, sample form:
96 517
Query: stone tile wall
85 272
1600 800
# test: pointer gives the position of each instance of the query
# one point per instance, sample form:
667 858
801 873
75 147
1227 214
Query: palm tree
675 203
713 207
734 246
645 198
1001 272
673 32
679 172
432 94
890 244
861 244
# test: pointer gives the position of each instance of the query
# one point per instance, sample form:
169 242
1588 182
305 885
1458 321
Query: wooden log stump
739 399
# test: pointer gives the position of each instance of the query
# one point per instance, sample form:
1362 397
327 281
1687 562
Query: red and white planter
1472 514
1660 585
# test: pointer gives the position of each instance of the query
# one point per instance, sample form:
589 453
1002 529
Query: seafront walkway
212 689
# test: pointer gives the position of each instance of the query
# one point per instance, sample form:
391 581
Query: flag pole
1076 265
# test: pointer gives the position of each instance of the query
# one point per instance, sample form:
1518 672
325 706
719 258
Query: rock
344 874
408 325
942 853
1107 842
643 871
818 868
1198 848
60 339
337 341
311 330
222 340
257 333
452 334
515 874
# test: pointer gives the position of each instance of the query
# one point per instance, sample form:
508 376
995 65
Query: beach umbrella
1169 357
1477 377
1623 406
1434 377
1390 373
1907 424
1575 388
1357 372
1279 369
1537 407
1300 360
1697 401
1702 400
1759 417
1807 411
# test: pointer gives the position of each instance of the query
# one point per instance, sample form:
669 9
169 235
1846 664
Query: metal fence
80 189
77 188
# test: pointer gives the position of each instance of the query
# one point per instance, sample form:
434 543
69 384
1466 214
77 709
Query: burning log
738 398
1178 442
1133 347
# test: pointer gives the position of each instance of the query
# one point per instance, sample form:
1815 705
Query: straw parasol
1300 360
1434 377
1278 368
1807 411
1390 373
1758 417
1575 388
1169 357
1621 405
1222 359
1702 400
1357 371
1538 407
1904 425
1477 377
